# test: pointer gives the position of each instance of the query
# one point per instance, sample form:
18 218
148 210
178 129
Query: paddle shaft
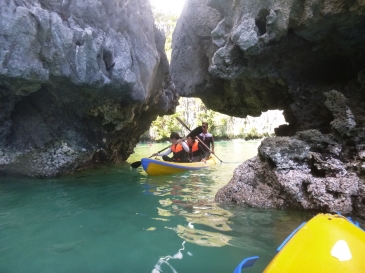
198 138
183 139
161 150
138 163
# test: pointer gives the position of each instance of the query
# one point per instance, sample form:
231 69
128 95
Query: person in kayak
179 148
207 138
196 150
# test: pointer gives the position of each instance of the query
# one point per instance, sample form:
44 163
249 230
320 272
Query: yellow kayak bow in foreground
326 243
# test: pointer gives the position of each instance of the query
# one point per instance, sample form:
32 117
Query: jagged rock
344 120
303 57
79 83
287 174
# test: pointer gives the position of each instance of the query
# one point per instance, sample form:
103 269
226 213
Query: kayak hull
326 243
160 167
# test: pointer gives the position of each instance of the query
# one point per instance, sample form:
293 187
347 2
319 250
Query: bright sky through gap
168 6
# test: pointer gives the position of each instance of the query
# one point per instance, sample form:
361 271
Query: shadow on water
62 248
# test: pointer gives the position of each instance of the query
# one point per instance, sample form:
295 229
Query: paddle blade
248 262
195 132
136 164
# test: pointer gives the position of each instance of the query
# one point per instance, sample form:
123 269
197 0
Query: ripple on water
118 219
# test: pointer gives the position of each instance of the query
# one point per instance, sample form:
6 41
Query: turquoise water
118 219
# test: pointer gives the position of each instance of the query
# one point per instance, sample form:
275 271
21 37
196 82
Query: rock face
80 81
304 57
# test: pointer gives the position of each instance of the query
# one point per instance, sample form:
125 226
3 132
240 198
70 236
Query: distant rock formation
304 57
80 81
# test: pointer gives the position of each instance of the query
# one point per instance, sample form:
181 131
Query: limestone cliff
80 81
307 58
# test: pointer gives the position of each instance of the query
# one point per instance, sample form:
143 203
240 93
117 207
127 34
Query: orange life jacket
179 152
195 147
175 148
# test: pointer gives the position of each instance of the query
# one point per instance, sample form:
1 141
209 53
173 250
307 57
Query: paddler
179 149
196 149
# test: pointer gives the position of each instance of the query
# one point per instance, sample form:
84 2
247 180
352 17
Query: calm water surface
119 219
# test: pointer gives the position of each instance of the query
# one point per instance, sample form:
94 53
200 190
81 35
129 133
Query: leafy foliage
162 127
166 23
193 112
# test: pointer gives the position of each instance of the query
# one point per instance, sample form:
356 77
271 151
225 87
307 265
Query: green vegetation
166 23
193 112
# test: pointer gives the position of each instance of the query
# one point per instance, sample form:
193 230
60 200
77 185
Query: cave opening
193 112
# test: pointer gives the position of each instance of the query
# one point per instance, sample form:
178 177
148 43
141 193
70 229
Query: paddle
194 132
139 163
197 137
248 262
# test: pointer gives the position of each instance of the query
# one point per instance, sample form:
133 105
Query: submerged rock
79 83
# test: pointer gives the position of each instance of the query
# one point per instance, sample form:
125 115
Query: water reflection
202 237
119 219
211 217
191 196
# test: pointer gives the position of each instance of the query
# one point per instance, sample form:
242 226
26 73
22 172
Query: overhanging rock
80 81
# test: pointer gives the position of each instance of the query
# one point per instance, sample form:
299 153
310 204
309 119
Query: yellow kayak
326 243
160 167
